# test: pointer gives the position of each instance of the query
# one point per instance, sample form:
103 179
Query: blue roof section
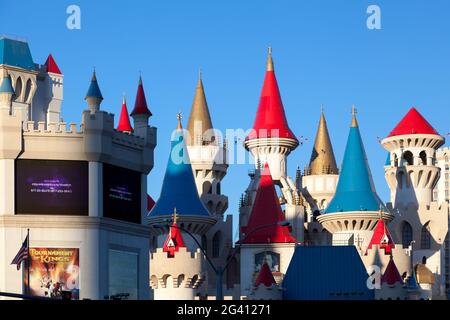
94 90
355 190
15 53
6 86
388 160
179 190
326 273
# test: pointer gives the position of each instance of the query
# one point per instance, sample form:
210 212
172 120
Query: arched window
408 158
27 91
216 244
218 188
205 243
407 234
18 88
423 158
207 187
425 237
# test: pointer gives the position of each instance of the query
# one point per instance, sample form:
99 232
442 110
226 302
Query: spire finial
179 117
322 109
94 75
124 99
354 120
269 59
175 216
140 77
200 73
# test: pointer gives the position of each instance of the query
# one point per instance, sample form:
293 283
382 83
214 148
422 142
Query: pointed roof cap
178 187
382 237
51 65
263 225
413 123
322 158
265 277
94 89
391 275
355 190
5 84
199 119
174 240
140 105
270 121
124 119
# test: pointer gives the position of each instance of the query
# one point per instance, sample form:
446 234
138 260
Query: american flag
22 255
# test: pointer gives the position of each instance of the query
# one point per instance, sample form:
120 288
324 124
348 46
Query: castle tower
176 273
412 173
94 96
207 153
265 288
141 113
271 139
265 238
179 191
6 93
354 210
321 176
124 119
55 81
391 284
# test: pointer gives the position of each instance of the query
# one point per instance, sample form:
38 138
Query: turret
391 287
140 113
94 96
412 173
176 272
124 119
207 153
271 139
322 174
265 288
6 92
265 238
355 208
56 89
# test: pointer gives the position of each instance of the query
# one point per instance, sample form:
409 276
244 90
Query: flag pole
28 262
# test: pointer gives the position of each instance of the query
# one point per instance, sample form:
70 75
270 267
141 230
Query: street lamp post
219 271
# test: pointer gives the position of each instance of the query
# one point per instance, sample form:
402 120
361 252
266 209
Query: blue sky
323 52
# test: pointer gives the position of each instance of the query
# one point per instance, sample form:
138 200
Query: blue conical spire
355 190
6 86
179 190
94 90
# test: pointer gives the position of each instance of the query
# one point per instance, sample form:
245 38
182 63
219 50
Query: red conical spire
270 121
51 65
174 240
150 203
382 238
413 123
263 225
140 106
124 119
391 276
265 276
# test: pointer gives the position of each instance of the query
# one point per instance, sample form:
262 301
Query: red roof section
266 213
265 276
124 119
150 203
51 65
174 241
382 238
270 121
140 105
391 276
413 123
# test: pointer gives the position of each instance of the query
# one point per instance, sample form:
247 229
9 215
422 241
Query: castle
181 246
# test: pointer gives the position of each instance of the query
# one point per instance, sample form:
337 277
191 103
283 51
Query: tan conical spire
354 119
322 158
269 60
199 118
179 125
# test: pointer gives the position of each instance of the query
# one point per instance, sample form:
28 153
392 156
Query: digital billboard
54 272
121 193
51 187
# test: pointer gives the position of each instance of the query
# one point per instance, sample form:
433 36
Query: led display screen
121 193
51 187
